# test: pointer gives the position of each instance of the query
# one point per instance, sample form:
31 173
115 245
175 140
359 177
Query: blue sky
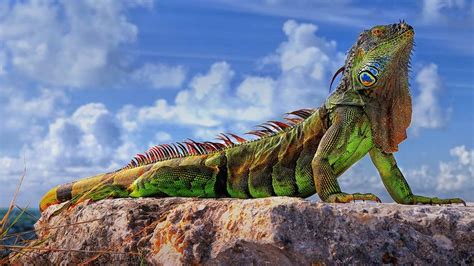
85 85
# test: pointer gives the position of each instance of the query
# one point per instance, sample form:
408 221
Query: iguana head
381 54
377 68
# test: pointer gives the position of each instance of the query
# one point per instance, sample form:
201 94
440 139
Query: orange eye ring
377 32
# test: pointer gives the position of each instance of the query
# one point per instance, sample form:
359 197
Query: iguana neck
388 107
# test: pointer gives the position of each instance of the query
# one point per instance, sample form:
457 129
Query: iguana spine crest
190 147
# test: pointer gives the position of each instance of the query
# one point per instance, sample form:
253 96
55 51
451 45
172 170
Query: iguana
368 112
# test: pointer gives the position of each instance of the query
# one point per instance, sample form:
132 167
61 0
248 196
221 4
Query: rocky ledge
279 231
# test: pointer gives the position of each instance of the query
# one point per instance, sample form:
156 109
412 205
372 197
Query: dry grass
24 248
3 222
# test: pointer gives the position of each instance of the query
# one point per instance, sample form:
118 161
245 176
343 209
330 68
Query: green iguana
369 112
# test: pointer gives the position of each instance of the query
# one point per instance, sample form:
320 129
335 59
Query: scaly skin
368 113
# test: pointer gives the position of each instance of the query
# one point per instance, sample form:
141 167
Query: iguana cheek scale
369 112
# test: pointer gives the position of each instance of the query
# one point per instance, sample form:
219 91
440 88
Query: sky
86 85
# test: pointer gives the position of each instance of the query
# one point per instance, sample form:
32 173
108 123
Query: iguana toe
436 200
346 198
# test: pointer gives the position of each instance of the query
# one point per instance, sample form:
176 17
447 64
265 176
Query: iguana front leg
345 142
396 184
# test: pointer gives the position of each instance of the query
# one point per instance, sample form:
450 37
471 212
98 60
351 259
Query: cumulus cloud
306 62
87 137
427 112
464 156
433 10
162 136
87 142
43 105
209 101
212 102
363 177
457 175
160 75
24 114
451 178
76 43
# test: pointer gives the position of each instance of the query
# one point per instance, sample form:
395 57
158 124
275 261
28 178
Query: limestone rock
279 231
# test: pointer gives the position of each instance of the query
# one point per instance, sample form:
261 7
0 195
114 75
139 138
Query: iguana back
278 163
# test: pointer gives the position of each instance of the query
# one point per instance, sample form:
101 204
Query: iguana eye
366 78
377 32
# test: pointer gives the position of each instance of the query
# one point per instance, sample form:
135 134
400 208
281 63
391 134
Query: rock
279 230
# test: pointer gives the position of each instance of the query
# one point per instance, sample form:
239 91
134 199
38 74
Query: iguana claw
435 200
346 198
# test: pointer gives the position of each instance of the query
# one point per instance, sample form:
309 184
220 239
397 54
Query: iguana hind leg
176 181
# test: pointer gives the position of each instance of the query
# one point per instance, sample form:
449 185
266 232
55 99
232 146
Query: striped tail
109 185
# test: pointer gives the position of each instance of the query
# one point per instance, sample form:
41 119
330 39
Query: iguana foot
435 200
346 198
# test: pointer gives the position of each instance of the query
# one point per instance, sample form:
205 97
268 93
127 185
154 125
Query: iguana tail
109 185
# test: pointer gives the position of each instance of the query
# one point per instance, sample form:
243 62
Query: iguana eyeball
367 79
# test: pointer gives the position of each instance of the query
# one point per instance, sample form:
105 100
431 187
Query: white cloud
427 111
44 105
87 137
211 102
208 133
88 142
256 95
362 177
465 157
23 114
452 178
457 175
162 136
432 10
51 43
307 62
76 43
160 76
